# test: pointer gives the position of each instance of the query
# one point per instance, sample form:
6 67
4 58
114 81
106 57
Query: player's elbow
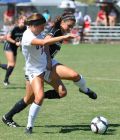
46 42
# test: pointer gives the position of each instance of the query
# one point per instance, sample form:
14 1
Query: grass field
69 118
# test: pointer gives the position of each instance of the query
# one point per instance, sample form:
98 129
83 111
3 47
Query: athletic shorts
10 47
30 77
46 73
54 62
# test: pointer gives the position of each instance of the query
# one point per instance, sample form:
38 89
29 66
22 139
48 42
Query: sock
8 73
82 84
19 106
51 94
33 111
3 66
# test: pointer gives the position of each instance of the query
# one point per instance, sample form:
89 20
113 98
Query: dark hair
35 19
65 16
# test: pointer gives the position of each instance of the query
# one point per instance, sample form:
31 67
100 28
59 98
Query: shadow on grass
84 127
68 128
112 128
14 87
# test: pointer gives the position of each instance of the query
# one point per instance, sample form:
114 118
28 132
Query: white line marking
102 78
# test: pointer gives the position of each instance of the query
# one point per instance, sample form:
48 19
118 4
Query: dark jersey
54 48
17 32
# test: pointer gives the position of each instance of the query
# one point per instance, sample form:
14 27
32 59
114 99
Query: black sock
19 106
8 73
3 66
51 94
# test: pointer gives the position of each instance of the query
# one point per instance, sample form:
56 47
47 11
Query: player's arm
49 41
9 38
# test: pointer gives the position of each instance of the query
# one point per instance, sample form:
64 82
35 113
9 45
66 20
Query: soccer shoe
90 93
9 123
28 130
6 83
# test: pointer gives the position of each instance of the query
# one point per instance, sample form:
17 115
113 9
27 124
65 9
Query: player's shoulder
15 27
55 31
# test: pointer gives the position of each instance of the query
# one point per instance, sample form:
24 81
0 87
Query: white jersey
35 57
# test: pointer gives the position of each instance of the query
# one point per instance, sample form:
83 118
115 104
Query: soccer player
62 25
13 41
34 51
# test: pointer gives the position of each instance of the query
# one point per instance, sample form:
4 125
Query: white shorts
47 75
30 77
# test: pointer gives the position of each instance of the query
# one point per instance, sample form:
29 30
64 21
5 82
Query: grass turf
69 118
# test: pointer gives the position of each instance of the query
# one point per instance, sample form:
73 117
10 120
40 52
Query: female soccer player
62 25
33 48
12 43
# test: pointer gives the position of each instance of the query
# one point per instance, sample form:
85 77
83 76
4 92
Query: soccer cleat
28 130
90 93
6 83
9 123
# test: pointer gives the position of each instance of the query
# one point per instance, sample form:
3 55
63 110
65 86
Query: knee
29 100
75 76
63 93
39 99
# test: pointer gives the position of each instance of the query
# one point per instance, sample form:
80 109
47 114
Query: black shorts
10 47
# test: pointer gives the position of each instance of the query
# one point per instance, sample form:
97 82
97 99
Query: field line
103 79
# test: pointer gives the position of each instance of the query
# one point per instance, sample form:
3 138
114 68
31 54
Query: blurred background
88 13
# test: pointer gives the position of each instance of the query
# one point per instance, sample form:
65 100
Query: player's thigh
65 72
10 57
58 85
38 88
29 96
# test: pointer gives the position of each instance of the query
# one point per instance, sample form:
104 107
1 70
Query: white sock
33 111
82 84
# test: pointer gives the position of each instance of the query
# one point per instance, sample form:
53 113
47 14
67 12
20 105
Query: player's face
67 25
21 22
38 29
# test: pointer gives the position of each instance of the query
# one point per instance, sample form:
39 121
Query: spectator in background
102 17
87 23
9 15
46 15
112 16
78 17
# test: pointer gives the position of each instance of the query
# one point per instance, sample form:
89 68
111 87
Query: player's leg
10 66
19 106
37 85
3 66
58 92
67 73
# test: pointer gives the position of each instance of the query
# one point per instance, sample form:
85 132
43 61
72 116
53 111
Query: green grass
69 118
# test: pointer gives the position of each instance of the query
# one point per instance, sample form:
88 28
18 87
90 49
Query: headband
37 22
68 17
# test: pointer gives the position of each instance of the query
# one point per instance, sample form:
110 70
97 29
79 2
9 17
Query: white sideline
102 78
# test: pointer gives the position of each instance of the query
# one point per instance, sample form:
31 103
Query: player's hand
70 36
18 44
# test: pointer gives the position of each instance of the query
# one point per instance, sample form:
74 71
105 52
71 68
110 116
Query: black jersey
54 48
17 32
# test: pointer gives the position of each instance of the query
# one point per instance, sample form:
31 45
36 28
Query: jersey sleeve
12 31
54 32
27 38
